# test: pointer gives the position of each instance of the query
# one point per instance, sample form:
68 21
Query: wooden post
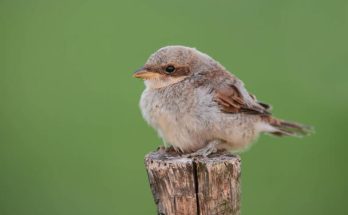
194 186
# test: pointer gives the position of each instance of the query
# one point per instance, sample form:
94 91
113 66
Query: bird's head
172 64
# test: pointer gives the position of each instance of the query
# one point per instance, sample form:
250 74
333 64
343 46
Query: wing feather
232 97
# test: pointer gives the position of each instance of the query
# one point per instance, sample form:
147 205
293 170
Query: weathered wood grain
202 186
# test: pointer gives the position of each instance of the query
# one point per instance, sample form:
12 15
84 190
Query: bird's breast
180 117
161 109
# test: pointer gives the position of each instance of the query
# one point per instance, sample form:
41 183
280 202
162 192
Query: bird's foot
204 152
170 150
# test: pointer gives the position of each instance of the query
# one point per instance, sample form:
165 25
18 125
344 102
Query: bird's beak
144 73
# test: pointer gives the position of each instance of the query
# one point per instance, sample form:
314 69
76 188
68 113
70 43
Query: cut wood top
197 185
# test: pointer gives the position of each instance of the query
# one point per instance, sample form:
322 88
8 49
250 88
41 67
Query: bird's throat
157 83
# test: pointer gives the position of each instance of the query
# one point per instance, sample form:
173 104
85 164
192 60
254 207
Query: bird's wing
266 106
232 97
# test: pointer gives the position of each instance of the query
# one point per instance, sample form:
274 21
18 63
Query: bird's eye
170 69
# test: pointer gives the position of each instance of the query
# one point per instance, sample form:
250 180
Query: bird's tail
284 128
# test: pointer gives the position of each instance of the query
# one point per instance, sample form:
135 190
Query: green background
72 139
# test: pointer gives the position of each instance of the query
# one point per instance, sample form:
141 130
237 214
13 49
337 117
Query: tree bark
194 186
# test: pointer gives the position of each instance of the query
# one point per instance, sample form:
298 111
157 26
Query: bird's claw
204 152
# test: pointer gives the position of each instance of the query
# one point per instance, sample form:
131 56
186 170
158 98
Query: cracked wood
202 186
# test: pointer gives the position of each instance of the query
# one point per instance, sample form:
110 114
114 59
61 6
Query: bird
199 108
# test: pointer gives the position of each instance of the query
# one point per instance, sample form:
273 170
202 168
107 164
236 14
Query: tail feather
284 128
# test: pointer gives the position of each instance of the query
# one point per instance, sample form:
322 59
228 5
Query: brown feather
286 128
230 100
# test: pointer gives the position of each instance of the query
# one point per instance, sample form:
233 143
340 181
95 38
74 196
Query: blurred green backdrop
72 139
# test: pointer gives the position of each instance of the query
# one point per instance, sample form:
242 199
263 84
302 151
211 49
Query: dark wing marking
231 100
